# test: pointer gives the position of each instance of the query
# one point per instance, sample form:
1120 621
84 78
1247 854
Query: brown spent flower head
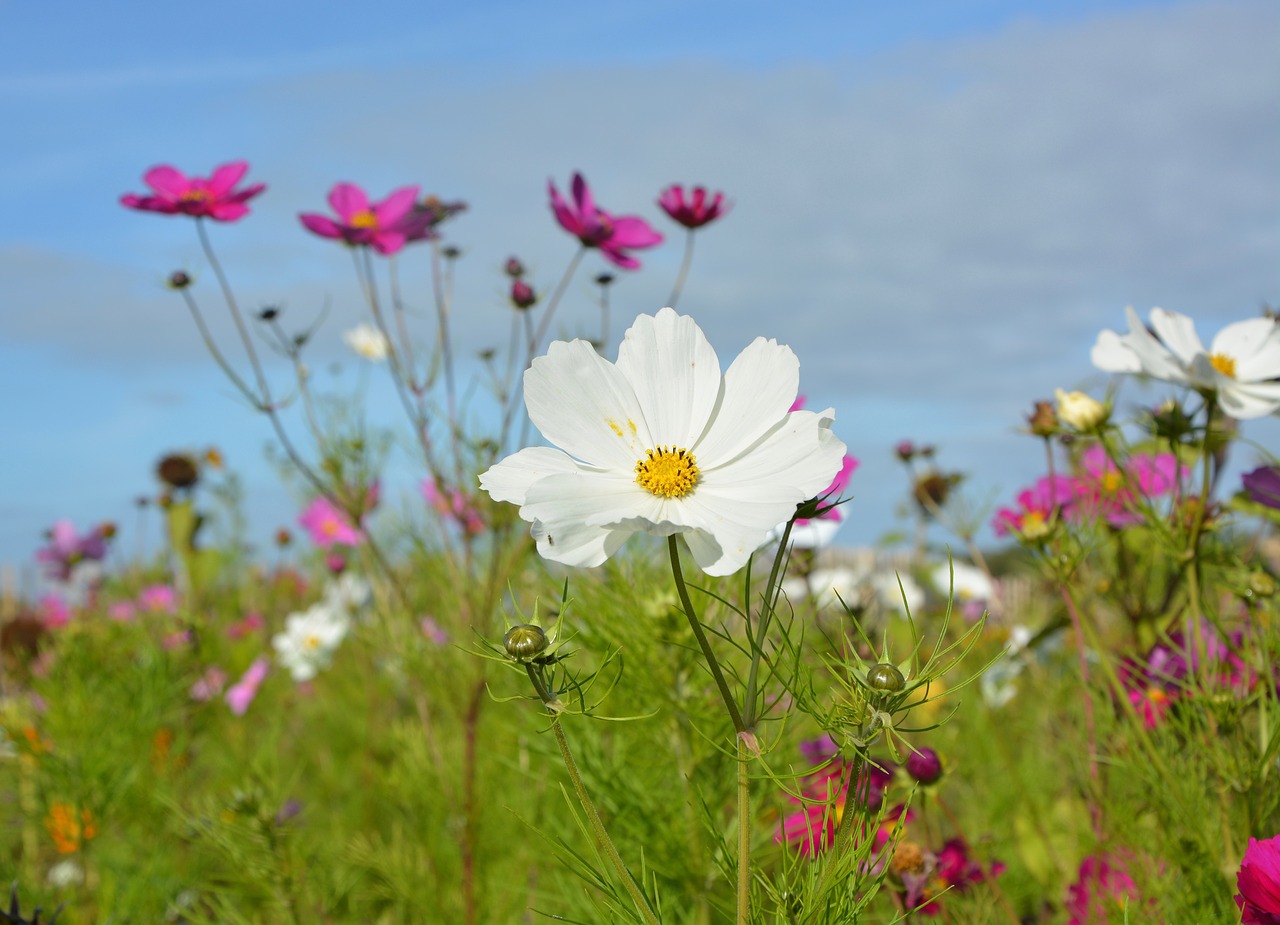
908 858
1043 420
604 279
283 537
178 470
932 489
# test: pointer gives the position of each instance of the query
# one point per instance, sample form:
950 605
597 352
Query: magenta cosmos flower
1101 892
1103 491
696 211
594 227
174 193
1036 508
1258 883
386 226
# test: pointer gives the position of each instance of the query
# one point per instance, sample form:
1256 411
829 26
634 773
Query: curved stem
553 303
696 625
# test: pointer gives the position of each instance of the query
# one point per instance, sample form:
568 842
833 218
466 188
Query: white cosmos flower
1241 366
970 582
309 640
660 442
367 341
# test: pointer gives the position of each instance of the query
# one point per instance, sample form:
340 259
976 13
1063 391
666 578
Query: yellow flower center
196 195
364 219
1223 364
311 643
1034 525
1111 481
667 472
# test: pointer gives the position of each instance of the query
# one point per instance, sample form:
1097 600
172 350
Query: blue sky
938 205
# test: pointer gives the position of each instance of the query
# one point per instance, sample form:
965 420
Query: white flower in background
999 682
827 586
971 582
1240 366
895 597
1081 411
309 640
367 341
660 442
66 873
349 593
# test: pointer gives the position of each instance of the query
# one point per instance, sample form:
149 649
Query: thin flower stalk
685 263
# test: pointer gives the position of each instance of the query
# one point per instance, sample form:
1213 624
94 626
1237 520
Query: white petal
1155 358
1178 332
595 499
509 480
578 545
1245 400
675 374
759 386
583 404
801 455
1113 354
1254 345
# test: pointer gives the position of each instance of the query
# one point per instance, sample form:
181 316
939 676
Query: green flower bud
885 677
525 642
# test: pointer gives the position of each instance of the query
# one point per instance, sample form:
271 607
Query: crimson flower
594 227
695 212
177 194
1101 891
1258 882
386 226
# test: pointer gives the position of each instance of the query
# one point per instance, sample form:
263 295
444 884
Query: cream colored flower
661 442
1081 411
367 341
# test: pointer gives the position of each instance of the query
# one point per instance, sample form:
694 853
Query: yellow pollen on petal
667 472
1223 364
631 425
613 426
363 219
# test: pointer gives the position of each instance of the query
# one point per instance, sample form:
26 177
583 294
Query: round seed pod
885 677
525 642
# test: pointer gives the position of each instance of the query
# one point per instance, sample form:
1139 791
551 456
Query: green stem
684 270
766 613
744 834
603 842
696 625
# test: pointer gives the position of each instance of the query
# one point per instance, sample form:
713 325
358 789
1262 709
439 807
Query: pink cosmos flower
1102 491
813 828
433 631
241 694
177 194
1036 509
386 226
122 611
595 227
453 505
54 612
1258 882
328 526
251 623
176 640
209 684
838 484
67 549
1101 889
695 212
158 599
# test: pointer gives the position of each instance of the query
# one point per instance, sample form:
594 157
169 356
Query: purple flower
67 549
595 227
696 211
1263 485
924 765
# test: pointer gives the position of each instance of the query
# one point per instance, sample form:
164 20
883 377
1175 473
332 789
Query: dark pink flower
177 194
1102 491
54 612
696 211
924 765
328 526
1037 507
522 294
1101 890
386 226
1263 485
250 623
595 227
241 694
1258 883
959 869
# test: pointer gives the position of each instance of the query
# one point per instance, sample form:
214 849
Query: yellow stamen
363 219
667 472
1111 482
1034 525
196 195
1223 364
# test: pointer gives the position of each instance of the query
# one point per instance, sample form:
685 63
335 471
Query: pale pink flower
614 235
54 611
209 685
328 526
174 193
241 694
122 611
453 505
176 640
434 631
158 599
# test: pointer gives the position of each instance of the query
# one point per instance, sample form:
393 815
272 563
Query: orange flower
69 831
